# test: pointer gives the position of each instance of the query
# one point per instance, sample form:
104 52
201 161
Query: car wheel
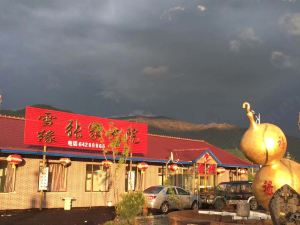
164 208
253 204
195 206
219 204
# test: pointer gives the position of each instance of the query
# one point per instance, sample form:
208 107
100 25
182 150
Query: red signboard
68 130
210 168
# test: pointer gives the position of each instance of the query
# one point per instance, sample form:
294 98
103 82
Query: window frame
5 169
137 178
49 182
184 192
102 168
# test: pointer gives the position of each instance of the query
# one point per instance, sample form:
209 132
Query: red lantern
221 170
142 166
173 167
14 159
106 163
65 161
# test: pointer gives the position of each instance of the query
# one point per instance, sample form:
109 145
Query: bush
116 222
130 206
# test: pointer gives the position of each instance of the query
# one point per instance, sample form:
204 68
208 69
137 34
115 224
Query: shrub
116 222
130 206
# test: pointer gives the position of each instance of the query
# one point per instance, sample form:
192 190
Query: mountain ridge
224 135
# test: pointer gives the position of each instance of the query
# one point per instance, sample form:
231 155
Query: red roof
189 150
159 147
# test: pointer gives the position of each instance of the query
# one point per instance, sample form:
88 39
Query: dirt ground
76 216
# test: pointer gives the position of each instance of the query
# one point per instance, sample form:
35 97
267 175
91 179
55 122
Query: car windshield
153 190
221 187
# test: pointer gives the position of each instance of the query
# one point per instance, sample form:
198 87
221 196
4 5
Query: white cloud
246 37
234 46
170 13
282 60
291 23
155 71
201 8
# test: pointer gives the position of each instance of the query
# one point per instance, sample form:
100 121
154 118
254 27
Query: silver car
165 198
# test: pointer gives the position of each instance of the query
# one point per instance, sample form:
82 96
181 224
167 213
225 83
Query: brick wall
26 193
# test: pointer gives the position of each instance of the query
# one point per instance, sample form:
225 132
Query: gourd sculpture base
285 206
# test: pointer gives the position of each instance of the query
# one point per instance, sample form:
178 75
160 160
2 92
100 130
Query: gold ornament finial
246 105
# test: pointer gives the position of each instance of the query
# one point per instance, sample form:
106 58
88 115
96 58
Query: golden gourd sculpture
265 144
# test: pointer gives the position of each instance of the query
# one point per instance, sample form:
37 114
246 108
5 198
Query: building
89 182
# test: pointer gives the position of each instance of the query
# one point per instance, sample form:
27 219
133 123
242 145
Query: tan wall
223 177
151 176
26 193
26 185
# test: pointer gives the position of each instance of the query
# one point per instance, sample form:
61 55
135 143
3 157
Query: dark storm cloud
194 60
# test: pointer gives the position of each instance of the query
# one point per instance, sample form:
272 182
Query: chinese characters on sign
73 129
68 130
47 119
268 187
46 135
43 179
206 168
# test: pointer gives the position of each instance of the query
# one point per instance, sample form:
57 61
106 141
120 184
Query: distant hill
21 112
223 135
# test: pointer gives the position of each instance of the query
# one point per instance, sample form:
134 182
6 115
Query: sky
194 60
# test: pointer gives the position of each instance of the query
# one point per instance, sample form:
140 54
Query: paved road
76 216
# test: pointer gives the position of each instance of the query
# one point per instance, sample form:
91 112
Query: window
184 178
233 188
57 177
182 192
207 182
221 187
161 172
246 188
7 177
96 178
171 191
153 190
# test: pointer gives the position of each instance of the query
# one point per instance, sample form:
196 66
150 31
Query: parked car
165 198
230 193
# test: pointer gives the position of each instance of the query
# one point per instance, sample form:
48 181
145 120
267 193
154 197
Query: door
233 193
246 191
172 198
184 197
